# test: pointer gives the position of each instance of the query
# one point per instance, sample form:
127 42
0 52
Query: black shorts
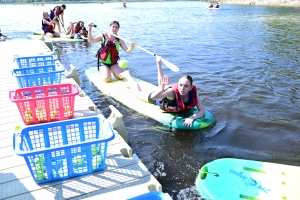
108 65
153 101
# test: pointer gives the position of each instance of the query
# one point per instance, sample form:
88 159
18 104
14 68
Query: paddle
61 24
171 66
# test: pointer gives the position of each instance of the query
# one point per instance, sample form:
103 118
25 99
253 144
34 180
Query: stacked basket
61 149
41 96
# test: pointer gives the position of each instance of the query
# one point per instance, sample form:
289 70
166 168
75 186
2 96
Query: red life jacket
57 11
48 28
108 46
193 101
77 27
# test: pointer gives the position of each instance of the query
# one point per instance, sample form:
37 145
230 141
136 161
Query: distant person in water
174 98
211 6
217 6
48 26
56 12
124 4
2 35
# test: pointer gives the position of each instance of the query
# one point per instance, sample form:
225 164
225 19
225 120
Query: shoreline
281 3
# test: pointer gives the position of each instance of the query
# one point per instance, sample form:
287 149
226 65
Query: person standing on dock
108 54
56 12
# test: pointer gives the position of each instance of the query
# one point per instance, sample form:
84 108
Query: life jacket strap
170 122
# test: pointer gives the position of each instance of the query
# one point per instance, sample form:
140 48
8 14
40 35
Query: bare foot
124 74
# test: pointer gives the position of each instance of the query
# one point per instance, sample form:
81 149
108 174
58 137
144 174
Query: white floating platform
125 175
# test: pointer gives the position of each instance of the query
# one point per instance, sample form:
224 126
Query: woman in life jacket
82 34
56 12
74 33
75 27
108 54
177 97
48 26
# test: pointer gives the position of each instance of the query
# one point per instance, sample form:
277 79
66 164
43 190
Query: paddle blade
171 66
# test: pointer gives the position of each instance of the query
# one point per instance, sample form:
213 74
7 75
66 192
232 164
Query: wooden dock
124 177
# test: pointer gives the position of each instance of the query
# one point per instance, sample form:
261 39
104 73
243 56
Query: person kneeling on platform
48 26
175 98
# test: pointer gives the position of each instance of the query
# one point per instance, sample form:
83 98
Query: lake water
244 59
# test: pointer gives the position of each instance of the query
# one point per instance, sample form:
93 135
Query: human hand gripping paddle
61 24
170 65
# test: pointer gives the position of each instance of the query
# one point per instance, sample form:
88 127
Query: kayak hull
238 179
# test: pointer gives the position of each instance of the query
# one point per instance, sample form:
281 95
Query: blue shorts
44 29
52 16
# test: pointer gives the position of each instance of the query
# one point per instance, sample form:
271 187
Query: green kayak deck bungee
238 179
38 36
122 91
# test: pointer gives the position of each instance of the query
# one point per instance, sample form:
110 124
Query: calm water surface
244 60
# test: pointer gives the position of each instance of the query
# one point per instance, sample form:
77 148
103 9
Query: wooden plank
82 185
19 164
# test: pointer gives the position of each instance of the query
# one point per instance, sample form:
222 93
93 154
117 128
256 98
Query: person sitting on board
48 26
211 5
108 54
175 98
56 12
82 34
74 27
217 6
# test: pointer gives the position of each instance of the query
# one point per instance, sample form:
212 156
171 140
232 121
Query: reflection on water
244 60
